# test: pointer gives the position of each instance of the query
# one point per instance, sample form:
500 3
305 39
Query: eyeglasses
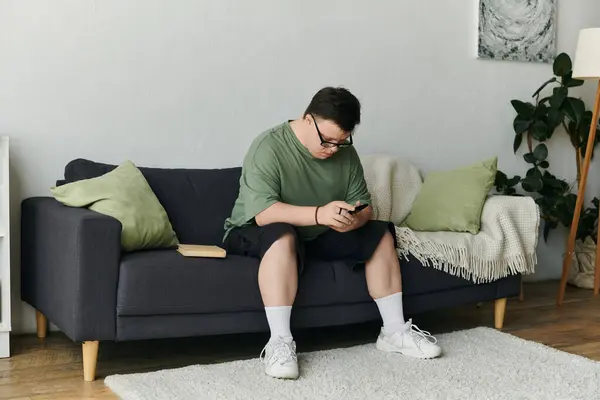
327 144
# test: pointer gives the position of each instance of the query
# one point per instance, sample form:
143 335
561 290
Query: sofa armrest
70 267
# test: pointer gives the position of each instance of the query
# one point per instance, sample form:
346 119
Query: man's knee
386 246
387 240
286 242
283 237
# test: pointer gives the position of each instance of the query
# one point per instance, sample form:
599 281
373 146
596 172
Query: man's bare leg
383 270
385 284
278 273
278 283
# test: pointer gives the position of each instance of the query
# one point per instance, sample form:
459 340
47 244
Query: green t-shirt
278 168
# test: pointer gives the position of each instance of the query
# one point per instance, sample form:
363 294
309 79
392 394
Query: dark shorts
352 248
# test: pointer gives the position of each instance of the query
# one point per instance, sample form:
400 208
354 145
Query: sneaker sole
383 346
288 375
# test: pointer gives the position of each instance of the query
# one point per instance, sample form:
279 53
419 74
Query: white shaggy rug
480 363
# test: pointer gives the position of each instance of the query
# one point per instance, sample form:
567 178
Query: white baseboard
4 344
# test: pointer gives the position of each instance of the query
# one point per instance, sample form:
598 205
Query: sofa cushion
163 282
159 282
197 201
453 200
125 195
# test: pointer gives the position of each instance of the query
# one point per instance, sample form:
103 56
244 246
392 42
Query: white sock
279 321
390 308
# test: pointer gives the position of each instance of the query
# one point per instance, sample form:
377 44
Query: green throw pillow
453 200
124 194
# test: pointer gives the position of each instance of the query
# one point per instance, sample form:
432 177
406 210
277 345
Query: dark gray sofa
74 273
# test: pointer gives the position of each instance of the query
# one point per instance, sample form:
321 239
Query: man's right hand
335 215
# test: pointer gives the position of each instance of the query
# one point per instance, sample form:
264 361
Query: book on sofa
197 250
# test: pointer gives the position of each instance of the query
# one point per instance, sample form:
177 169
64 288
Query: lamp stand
580 197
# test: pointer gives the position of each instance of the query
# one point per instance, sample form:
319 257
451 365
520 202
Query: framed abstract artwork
517 30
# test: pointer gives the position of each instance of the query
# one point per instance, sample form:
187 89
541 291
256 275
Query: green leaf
530 172
583 132
583 129
545 100
566 209
523 109
565 79
504 185
559 95
551 181
513 181
568 81
575 83
549 81
587 221
521 125
573 109
544 164
540 152
555 117
517 142
533 173
574 136
501 179
532 184
553 187
540 111
562 65
530 158
539 131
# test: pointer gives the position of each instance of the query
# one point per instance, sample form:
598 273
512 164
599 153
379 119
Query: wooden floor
52 369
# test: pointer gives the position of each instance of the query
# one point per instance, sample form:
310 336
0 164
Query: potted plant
552 110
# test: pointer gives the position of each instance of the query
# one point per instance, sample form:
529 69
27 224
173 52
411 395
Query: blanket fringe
462 262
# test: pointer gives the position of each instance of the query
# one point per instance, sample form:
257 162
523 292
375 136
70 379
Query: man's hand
359 219
335 215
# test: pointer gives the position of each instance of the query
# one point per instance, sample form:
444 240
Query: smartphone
359 208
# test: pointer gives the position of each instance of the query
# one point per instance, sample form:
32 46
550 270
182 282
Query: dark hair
337 105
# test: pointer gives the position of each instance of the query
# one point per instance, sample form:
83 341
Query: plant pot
582 267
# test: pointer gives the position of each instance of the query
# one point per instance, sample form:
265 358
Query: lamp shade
587 56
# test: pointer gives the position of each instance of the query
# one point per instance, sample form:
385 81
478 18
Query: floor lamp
586 66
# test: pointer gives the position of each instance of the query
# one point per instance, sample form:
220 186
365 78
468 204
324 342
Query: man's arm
328 215
282 212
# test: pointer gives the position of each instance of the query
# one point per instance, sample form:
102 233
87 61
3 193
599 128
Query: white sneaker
412 342
279 357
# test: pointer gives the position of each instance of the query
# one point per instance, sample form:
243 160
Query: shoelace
422 334
282 352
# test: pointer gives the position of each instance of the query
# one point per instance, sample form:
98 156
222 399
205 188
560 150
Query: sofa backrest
197 201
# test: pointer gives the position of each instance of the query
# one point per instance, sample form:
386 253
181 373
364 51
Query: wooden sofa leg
499 309
42 324
90 358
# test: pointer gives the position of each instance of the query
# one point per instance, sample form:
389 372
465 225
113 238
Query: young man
301 182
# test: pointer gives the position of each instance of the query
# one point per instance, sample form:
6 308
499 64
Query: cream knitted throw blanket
505 245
